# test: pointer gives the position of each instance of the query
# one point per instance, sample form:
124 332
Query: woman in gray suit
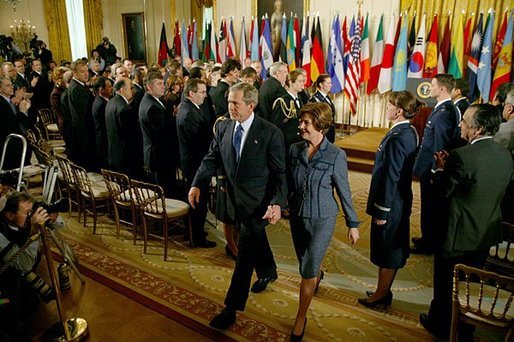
316 168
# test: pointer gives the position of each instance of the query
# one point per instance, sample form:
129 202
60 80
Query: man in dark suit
41 86
230 72
67 122
251 151
194 129
103 91
80 103
158 131
272 89
471 191
10 123
120 123
21 78
440 134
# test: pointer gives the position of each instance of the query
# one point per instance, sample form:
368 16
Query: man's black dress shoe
224 319
205 244
425 321
260 284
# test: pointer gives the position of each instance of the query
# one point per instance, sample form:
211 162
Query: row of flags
465 50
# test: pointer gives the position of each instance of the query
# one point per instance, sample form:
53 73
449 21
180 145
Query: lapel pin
255 142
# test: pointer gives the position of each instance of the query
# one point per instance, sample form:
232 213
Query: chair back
501 255
118 185
487 298
82 179
150 198
47 116
67 172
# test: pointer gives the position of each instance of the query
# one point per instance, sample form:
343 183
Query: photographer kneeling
19 257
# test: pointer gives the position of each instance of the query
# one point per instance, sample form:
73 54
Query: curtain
197 13
58 36
444 7
93 18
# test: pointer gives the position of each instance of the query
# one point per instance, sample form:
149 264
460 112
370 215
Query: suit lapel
228 150
252 139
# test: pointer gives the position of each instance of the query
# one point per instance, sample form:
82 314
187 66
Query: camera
58 206
45 291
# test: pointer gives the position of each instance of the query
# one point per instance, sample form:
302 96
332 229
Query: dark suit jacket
67 123
473 191
10 123
41 91
319 97
219 97
259 178
20 82
390 193
440 134
100 131
119 123
158 131
270 90
80 103
286 117
194 129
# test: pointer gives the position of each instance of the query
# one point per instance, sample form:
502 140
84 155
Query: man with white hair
272 89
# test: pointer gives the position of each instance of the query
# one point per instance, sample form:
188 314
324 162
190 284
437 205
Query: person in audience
11 122
304 95
230 71
501 94
95 56
505 137
173 95
21 79
103 90
286 109
17 225
194 130
129 66
316 169
272 89
390 196
55 96
80 103
471 191
67 122
120 71
322 87
214 76
249 75
107 50
460 88
94 69
43 54
251 150
158 135
439 134
121 126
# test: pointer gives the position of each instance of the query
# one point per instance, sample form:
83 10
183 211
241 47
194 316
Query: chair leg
116 218
191 240
454 321
165 234
134 222
95 214
145 234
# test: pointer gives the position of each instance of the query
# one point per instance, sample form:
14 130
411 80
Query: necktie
236 142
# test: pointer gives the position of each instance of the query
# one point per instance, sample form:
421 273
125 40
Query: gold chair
486 302
501 255
49 125
154 206
70 184
92 195
122 198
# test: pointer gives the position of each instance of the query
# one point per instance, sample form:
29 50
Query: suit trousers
254 252
441 306
199 214
428 213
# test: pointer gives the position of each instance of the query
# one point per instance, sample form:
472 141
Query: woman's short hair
293 76
320 113
406 101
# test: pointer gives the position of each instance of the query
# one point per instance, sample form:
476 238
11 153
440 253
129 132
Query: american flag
352 77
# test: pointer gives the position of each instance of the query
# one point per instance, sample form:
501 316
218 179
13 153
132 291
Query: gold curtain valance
204 3
58 34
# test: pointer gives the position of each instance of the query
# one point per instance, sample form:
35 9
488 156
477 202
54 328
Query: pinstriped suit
312 203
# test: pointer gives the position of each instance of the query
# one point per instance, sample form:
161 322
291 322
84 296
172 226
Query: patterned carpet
191 285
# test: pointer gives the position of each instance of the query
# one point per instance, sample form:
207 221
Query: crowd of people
271 146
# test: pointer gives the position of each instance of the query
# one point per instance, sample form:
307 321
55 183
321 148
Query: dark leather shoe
224 319
205 244
260 284
419 249
427 323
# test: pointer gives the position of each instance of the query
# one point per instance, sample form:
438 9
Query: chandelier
22 33
13 3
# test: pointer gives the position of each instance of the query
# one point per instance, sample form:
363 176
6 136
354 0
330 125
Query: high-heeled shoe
299 338
320 278
229 253
385 301
370 293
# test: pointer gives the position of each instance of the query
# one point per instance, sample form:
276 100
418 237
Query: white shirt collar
481 138
295 97
123 97
246 124
441 102
157 100
458 100
399 123
82 84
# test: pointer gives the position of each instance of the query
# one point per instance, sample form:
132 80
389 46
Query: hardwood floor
111 316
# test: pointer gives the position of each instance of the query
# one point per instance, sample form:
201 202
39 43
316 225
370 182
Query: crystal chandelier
22 33
13 3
